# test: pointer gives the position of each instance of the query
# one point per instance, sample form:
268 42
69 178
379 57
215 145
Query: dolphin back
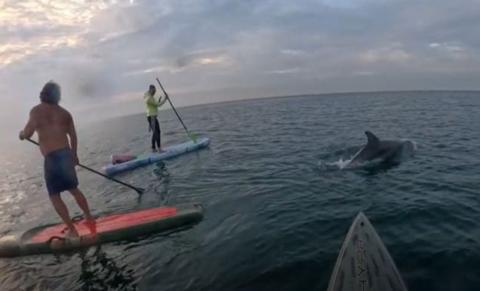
368 151
385 151
372 140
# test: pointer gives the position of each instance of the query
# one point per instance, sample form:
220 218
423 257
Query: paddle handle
138 190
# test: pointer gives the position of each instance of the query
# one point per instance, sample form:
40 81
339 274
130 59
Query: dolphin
385 151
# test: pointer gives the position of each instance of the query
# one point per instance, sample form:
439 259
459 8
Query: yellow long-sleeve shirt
151 104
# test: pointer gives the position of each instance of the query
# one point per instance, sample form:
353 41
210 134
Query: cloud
45 24
293 52
220 49
389 54
203 58
451 49
284 71
364 73
18 50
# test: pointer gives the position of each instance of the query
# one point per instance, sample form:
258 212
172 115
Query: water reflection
161 187
100 272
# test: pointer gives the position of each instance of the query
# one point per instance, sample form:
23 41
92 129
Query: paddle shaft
174 110
138 190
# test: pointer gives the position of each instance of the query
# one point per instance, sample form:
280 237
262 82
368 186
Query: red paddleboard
51 238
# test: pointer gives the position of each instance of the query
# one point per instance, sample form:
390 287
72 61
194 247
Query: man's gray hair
50 93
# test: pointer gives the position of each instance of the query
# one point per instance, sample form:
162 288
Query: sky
104 54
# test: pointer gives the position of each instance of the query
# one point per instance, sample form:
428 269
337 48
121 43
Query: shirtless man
53 124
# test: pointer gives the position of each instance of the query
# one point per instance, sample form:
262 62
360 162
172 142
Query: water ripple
275 214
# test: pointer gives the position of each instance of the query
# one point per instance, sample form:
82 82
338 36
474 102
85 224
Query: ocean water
276 215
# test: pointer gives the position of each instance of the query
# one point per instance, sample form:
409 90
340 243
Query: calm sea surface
275 215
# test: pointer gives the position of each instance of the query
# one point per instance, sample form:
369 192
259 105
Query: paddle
191 135
138 190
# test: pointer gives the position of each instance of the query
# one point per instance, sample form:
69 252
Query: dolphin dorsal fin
372 139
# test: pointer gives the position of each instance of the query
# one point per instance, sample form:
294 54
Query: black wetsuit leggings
155 127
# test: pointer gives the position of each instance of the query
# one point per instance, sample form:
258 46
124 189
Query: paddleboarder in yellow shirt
152 106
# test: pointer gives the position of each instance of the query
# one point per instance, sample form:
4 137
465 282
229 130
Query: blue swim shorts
60 174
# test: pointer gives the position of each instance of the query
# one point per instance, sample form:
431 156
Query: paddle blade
193 137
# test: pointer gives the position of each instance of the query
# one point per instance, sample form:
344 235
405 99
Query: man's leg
62 211
157 131
156 134
151 124
82 203
154 138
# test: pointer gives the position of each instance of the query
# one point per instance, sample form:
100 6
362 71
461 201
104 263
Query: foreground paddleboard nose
364 262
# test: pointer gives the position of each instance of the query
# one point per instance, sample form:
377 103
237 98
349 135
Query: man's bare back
58 144
52 124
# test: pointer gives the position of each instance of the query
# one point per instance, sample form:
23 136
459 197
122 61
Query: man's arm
161 102
73 138
29 129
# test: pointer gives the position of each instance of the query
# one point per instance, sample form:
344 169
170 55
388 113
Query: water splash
340 164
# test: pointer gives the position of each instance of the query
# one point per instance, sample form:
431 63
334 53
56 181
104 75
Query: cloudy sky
105 53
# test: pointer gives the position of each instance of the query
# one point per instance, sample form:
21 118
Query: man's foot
90 219
91 224
71 233
154 150
160 150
